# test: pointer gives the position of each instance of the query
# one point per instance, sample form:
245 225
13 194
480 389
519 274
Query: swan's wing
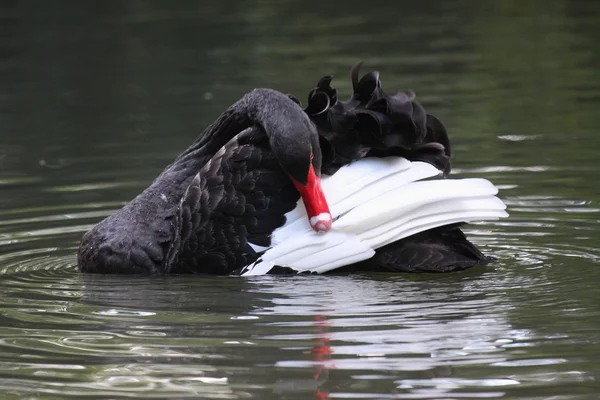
357 183
236 200
406 207
311 253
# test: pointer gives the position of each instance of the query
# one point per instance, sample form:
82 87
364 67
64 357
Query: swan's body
230 202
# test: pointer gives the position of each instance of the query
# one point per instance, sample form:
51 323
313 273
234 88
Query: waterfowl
247 197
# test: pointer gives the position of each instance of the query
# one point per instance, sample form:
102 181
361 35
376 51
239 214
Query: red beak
315 202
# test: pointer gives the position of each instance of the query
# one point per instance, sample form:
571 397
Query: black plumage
372 123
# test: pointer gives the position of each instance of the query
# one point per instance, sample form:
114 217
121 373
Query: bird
274 188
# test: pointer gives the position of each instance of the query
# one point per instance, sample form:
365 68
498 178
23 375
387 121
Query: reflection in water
394 324
94 103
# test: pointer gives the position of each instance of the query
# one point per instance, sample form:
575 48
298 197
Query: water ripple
181 336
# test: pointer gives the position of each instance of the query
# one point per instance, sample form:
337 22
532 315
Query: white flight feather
355 184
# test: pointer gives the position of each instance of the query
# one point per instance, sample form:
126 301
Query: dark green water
96 98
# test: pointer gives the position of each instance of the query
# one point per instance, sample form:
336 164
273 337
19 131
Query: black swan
230 202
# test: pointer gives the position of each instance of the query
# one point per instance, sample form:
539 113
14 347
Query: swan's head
308 183
299 153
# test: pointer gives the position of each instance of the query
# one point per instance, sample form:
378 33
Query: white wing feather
387 202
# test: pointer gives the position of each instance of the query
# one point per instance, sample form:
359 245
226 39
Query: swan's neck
262 108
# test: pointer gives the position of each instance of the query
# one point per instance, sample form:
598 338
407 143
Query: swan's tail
376 202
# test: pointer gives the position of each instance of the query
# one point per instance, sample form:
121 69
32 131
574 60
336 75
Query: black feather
372 123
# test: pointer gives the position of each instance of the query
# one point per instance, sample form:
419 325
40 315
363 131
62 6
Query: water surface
96 99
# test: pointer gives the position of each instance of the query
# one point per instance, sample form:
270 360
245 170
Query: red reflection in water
321 353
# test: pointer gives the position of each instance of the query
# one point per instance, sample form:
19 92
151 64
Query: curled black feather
373 123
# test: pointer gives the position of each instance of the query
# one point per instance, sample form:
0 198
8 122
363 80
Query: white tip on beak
321 222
